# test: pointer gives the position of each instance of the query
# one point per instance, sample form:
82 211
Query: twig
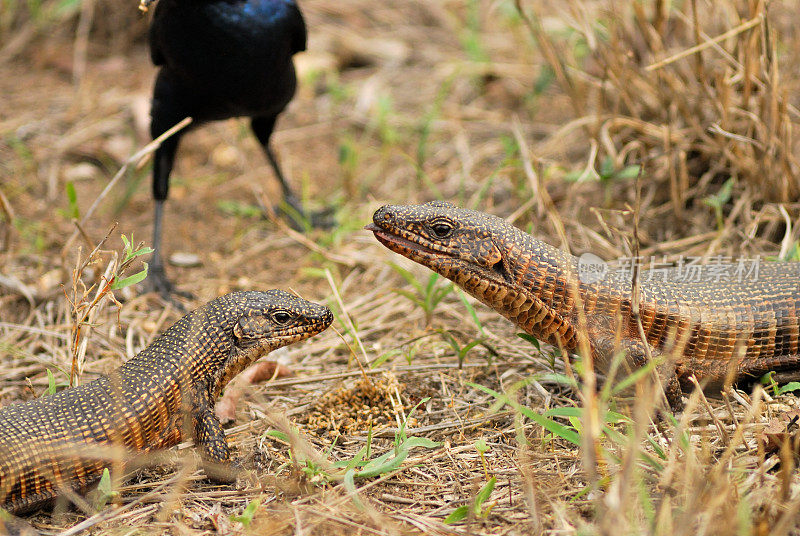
82 41
7 229
546 204
350 324
755 21
552 57
80 344
403 368
96 249
787 242
726 439
108 514
134 159
15 284
298 237
32 329
419 430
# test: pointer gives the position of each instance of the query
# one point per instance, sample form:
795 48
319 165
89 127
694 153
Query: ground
542 116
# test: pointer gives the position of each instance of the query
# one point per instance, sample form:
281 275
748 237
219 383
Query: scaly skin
163 395
736 326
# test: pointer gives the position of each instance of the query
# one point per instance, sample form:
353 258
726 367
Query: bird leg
156 280
292 207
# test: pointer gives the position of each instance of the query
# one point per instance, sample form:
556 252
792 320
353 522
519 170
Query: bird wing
156 54
297 28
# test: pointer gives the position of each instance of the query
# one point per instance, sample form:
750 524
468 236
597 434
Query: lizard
737 327
160 397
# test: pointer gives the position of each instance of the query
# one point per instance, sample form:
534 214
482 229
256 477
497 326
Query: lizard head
260 322
454 242
272 319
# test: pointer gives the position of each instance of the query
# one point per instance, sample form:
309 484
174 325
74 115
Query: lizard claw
224 472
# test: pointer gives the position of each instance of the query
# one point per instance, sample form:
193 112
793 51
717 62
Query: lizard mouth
306 331
421 253
402 245
287 336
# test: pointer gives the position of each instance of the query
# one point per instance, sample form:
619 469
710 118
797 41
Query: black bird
219 59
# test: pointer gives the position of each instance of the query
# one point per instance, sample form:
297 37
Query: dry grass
533 117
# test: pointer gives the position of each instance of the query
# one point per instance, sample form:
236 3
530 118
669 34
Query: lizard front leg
210 438
636 355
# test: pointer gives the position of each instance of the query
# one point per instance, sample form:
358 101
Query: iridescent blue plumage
265 10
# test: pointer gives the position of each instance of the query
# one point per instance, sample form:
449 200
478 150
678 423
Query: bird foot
323 219
302 220
157 282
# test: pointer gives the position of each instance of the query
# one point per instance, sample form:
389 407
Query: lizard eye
442 229
281 317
